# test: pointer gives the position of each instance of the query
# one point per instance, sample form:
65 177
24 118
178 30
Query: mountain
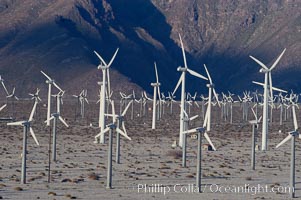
59 37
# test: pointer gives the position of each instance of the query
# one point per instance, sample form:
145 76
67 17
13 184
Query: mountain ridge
59 37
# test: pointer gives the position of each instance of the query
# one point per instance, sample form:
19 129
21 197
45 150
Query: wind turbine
187 119
142 101
82 98
200 131
120 123
156 86
267 87
55 117
35 97
110 128
182 82
13 97
170 99
254 124
211 89
105 72
2 82
50 82
26 127
292 136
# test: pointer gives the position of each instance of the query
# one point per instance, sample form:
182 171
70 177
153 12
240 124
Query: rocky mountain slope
59 36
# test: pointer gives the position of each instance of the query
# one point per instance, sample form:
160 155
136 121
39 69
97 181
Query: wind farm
190 131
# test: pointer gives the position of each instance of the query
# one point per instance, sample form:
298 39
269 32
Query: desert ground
148 159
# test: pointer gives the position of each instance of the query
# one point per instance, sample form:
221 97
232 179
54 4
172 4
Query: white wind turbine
82 98
120 123
255 124
182 81
13 97
105 73
267 87
110 128
2 82
210 89
55 116
187 119
50 82
26 127
156 86
292 136
201 131
35 97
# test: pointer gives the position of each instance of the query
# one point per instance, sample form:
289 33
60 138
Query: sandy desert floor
148 160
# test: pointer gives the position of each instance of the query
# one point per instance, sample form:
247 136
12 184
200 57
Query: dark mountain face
59 37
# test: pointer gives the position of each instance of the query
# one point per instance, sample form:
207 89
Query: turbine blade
33 111
285 140
260 63
4 88
208 139
254 114
193 118
63 121
271 86
113 111
123 134
183 51
57 87
295 118
190 131
279 90
278 59
2 107
112 59
193 73
103 132
209 77
157 77
34 136
206 118
255 82
123 127
178 84
109 84
46 75
127 107
100 58
19 123
216 97
159 93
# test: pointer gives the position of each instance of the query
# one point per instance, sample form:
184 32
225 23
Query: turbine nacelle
294 133
181 69
55 115
155 84
201 129
26 123
49 81
101 82
210 85
103 67
262 70
120 117
112 126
